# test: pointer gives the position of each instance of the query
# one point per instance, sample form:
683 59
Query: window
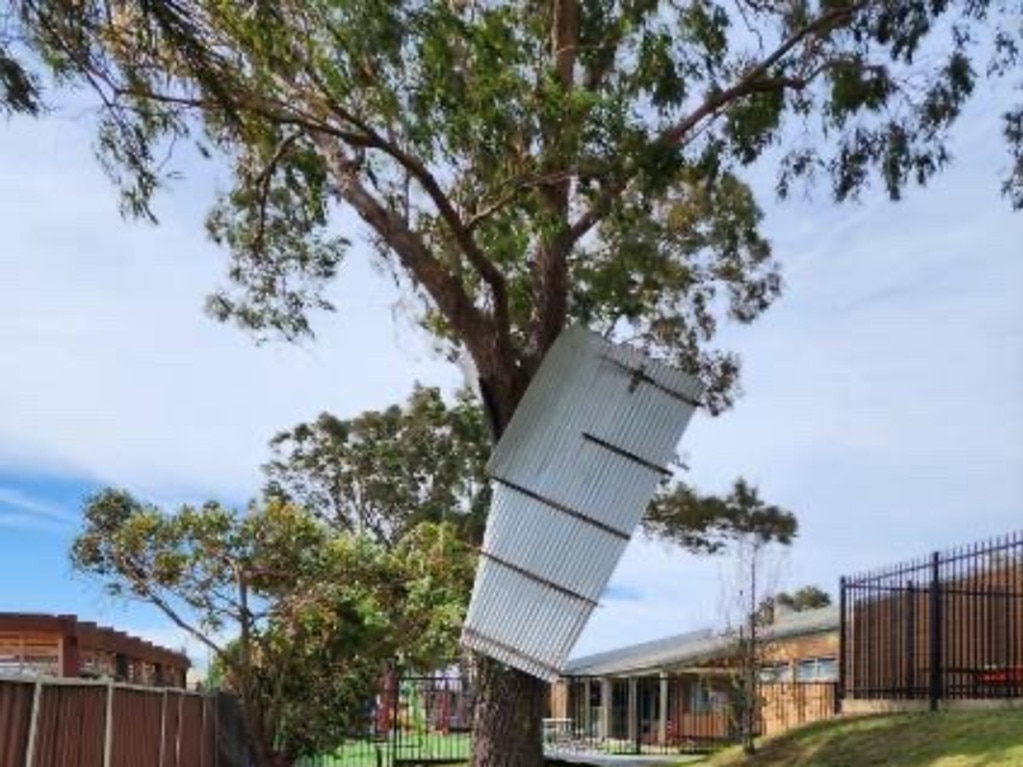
817 670
703 699
774 672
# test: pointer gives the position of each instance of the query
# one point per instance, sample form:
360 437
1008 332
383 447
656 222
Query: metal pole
934 640
33 727
911 641
843 645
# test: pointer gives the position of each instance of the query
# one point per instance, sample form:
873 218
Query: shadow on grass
976 739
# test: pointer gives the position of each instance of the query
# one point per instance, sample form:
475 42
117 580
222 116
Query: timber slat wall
64 723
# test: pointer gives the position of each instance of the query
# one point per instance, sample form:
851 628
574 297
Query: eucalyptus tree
522 164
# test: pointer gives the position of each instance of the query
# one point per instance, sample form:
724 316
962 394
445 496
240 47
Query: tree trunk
508 715
509 704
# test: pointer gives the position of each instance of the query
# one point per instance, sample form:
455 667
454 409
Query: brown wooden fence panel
15 718
71 727
172 729
190 738
136 728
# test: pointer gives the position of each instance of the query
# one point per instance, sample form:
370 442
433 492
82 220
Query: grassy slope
975 739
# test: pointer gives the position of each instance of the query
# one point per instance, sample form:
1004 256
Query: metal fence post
934 691
33 725
843 645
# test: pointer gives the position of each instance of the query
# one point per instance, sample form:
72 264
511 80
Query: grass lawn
363 753
948 739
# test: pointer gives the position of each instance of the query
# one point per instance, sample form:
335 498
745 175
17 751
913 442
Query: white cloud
113 372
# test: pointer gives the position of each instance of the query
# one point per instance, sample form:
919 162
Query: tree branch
550 277
161 604
753 81
468 322
486 268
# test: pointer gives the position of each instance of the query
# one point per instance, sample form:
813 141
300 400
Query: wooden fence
56 722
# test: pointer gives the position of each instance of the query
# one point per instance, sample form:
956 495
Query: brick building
674 692
64 646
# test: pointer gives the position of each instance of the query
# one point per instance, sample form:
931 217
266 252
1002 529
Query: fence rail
943 627
51 722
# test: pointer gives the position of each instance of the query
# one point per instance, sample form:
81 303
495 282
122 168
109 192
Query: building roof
694 646
93 637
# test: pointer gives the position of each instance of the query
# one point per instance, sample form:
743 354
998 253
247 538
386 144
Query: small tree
756 526
312 615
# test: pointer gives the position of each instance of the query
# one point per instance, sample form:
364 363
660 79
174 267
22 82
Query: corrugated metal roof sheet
694 646
573 474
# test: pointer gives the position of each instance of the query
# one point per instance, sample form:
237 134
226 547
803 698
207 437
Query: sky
883 394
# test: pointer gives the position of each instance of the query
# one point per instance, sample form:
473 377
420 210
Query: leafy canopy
805 598
384 472
301 619
524 163
19 87
711 524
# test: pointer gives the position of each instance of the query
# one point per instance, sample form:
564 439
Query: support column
662 711
587 709
606 702
70 662
121 667
633 710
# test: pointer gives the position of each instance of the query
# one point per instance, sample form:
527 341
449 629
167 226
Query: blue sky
882 394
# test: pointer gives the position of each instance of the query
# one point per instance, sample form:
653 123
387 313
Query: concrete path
612 760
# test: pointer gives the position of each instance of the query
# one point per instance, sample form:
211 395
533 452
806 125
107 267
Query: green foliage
19 89
707 523
384 472
311 615
806 598
522 165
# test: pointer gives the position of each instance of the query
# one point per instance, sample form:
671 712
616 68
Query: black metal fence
946 626
414 720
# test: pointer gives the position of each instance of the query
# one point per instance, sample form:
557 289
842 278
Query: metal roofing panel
695 646
574 471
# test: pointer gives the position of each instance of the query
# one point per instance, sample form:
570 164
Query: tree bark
508 706
508 713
